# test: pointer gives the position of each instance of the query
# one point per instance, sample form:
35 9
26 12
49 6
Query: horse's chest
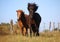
20 23
32 21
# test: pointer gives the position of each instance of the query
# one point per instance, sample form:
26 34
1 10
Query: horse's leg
22 31
30 32
33 29
26 32
34 33
37 29
37 32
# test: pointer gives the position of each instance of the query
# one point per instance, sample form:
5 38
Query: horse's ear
16 10
36 7
28 6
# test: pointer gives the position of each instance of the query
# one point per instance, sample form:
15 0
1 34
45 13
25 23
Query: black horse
32 8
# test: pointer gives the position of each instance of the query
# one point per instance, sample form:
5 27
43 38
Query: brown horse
23 22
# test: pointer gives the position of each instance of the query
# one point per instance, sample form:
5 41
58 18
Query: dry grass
53 36
44 37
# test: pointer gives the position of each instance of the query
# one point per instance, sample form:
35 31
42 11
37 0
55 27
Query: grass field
44 37
53 36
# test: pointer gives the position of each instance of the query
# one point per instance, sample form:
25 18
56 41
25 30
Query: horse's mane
23 17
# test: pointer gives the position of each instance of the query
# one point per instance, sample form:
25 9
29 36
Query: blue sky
48 9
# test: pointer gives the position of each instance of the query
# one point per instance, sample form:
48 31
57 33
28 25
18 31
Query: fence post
44 26
53 25
58 26
49 26
11 26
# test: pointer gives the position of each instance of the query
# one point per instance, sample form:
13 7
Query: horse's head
19 13
32 7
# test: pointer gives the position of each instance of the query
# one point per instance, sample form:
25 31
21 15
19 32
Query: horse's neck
23 18
30 15
30 18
